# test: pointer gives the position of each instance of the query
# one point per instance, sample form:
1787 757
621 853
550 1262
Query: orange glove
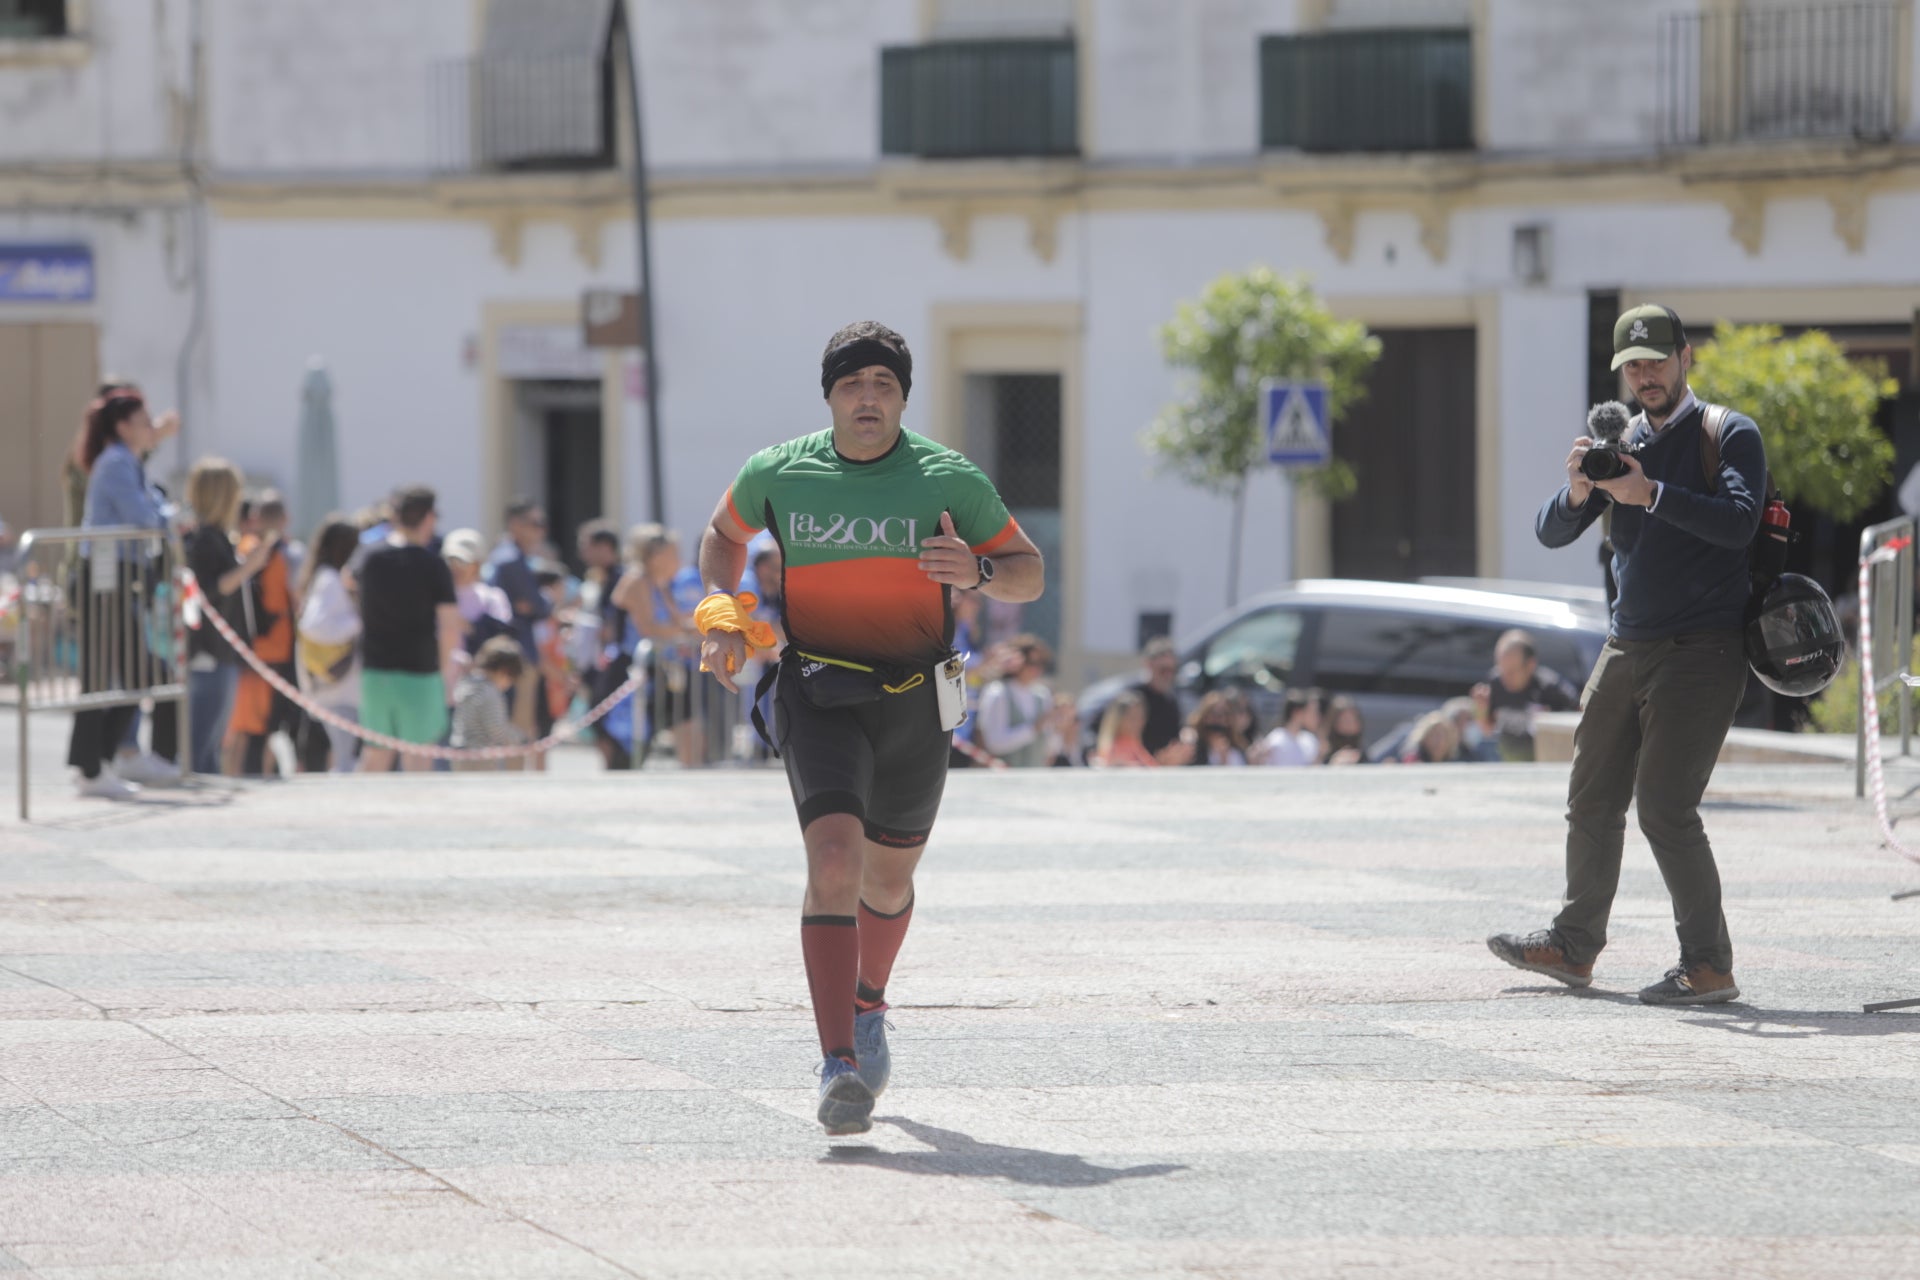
731 613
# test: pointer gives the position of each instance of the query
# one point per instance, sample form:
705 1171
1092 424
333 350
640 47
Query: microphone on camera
1607 422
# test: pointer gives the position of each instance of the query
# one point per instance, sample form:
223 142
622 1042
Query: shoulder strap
1712 422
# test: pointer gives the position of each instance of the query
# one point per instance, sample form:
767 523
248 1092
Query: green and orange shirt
850 533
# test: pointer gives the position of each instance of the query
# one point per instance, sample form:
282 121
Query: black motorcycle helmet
1793 638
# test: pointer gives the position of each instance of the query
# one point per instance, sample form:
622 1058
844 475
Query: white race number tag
952 690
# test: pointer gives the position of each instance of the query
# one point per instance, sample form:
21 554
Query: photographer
1663 693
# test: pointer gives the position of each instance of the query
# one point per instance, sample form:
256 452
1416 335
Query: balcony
1786 74
961 99
1399 89
523 113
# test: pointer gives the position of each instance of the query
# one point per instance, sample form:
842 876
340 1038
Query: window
1564 654
541 95
1782 72
1404 89
1258 649
32 19
1391 651
965 98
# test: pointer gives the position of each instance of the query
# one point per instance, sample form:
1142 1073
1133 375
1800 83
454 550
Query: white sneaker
147 769
107 786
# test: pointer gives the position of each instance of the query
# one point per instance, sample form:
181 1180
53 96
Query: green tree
1815 408
1837 708
1244 328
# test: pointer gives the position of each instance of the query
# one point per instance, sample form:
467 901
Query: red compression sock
880 939
831 947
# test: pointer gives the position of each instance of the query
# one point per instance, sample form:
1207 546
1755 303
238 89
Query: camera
1605 461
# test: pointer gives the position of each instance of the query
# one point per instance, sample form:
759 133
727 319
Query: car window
1260 645
1559 652
1396 651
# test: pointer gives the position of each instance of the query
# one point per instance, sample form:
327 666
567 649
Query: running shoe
105 785
1540 952
1691 984
870 1047
846 1104
147 770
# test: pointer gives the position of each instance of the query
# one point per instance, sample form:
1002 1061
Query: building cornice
952 195
115 186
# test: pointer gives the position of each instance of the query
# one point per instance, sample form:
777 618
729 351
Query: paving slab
1220 1023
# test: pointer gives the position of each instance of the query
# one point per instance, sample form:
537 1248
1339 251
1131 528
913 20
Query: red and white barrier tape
1869 705
193 607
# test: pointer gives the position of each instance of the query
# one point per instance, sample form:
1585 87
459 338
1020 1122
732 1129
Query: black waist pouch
829 684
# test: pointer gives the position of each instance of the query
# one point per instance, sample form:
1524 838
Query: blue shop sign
46 273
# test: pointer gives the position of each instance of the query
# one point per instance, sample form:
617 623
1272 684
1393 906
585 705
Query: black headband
854 356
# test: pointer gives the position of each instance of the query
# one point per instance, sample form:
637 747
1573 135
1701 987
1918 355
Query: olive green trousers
1653 718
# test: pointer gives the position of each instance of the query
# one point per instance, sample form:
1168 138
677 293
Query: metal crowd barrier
99 625
1887 615
706 725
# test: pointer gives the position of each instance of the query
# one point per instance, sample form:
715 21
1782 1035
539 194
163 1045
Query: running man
878 528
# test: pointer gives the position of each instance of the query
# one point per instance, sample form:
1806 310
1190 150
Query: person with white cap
485 611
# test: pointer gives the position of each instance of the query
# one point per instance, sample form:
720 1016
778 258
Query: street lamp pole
626 29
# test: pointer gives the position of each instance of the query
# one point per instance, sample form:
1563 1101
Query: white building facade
420 195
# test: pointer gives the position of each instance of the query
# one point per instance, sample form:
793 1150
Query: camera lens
1602 464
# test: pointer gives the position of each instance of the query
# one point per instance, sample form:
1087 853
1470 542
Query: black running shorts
884 762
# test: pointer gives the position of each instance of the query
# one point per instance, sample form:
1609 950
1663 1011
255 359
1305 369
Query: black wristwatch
985 567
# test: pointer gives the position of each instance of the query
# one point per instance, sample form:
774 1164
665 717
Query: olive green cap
1652 332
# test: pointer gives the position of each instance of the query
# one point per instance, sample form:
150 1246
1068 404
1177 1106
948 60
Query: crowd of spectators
449 640
386 625
1143 727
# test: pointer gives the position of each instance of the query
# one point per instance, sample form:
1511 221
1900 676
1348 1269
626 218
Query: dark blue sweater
1683 565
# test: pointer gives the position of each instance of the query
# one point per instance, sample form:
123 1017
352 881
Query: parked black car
1397 649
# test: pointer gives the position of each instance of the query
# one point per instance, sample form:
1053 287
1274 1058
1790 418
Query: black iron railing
520 113
1368 90
1751 75
975 98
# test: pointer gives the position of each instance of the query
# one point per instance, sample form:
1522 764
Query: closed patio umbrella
317 486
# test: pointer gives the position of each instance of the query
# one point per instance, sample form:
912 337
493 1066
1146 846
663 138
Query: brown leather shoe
1540 953
1692 984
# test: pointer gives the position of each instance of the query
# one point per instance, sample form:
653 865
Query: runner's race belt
827 683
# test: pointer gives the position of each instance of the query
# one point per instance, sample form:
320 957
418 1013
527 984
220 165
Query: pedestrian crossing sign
1295 416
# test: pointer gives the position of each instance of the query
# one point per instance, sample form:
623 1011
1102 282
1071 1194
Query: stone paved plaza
1190 1022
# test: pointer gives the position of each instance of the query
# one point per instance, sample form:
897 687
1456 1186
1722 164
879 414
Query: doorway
48 373
1012 433
558 456
1411 443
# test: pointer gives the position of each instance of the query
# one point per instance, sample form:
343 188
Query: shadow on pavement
955 1155
1573 993
1744 1019
101 815
1802 1024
